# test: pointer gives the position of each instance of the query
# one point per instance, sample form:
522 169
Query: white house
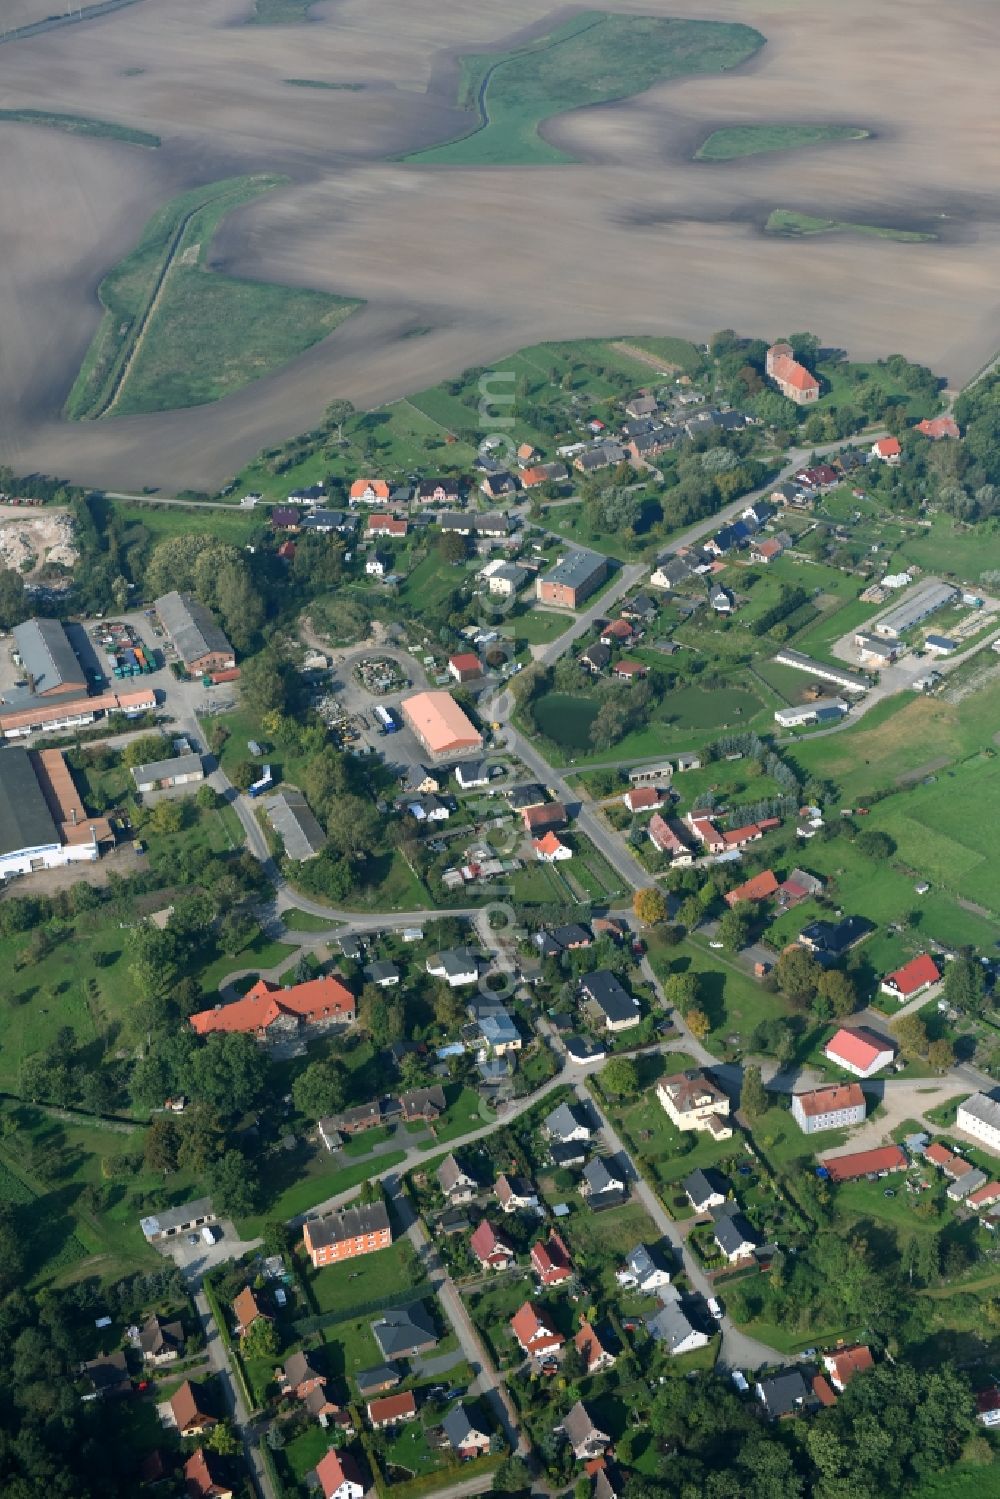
642 1271
339 1476
692 1101
564 1125
979 1116
837 1106
859 1050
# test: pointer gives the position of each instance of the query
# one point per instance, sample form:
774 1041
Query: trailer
386 719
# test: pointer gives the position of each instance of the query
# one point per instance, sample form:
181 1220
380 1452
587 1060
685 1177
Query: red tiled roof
856 1046
246 1308
822 1391
466 661
548 844
760 887
769 547
336 1469
644 796
888 447
788 371
630 669
831 1099
544 814
200 1481
939 426
741 835
378 487
848 1362
393 525
392 1408
527 1322
552 1258
265 1002
664 836
987 1400
939 1155
486 1240
985 1196
532 477
619 629
914 975
845 1168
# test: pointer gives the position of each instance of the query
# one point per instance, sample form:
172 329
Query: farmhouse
912 979
347 1235
573 579
43 823
194 634
859 1050
440 725
792 379
180 770
837 1106
692 1101
271 1013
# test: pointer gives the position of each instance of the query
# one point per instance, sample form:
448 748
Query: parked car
715 1307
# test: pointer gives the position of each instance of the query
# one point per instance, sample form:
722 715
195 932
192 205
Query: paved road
738 1350
487 1382
218 1358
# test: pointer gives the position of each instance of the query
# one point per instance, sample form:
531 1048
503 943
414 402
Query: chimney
72 816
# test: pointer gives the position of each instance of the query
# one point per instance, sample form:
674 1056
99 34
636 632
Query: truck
385 719
262 783
209 1233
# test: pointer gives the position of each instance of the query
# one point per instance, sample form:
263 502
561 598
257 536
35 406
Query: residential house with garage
492 1252
582 1433
534 1332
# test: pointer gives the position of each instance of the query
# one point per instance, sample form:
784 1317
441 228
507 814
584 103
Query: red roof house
936 427
629 671
380 524
551 1261
888 449
740 837
707 833
643 799
761 887
845 1363
666 838
339 1476
859 1050
490 1250
533 1331
618 632
268 1010
985 1197
202 1479
551 849
392 1408
369 491
465 667
545 815
913 977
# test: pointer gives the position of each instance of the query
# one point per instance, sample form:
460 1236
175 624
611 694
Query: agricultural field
735 141
176 332
592 59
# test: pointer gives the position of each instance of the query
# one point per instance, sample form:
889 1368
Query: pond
566 719
703 708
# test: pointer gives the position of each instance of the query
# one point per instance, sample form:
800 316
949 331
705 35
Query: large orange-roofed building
441 725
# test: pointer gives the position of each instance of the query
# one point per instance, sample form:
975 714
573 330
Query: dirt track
486 259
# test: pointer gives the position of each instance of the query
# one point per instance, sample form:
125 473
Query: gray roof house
643 1271
599 1181
610 997
404 1331
705 1189
733 1233
564 1124
295 823
374 1381
456 1184
583 1434
383 973
783 1394
457 966
671 1327
464 1435
179 770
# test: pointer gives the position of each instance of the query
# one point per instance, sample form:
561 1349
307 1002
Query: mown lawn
338 1288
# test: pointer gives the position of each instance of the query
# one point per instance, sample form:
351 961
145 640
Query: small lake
566 719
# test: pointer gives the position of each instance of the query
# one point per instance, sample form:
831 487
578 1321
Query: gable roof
200 1480
843 1168
857 1046
336 1469
528 1322
580 1426
314 1000
830 1099
298 1369
847 1362
247 1308
187 1405
914 975
564 1121
760 887
403 1328
486 1241
192 630
459 1428
392 1407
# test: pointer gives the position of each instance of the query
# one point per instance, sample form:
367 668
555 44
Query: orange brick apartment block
347 1235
